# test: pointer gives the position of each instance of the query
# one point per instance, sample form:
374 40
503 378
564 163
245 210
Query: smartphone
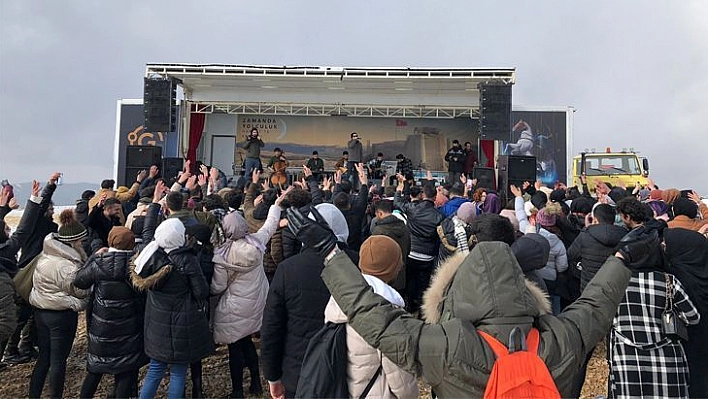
61 177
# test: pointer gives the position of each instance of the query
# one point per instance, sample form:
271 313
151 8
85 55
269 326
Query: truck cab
611 167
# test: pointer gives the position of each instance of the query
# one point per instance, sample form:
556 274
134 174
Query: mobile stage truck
414 111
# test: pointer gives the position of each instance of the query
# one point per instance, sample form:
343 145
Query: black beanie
531 251
539 199
685 207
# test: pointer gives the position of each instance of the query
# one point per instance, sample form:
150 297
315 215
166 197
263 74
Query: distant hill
66 194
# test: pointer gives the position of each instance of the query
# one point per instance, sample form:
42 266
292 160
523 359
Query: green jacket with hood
485 290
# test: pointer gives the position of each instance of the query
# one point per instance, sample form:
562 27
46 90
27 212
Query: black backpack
324 367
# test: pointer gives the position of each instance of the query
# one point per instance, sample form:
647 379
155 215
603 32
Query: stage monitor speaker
514 169
142 156
485 178
159 109
171 167
494 111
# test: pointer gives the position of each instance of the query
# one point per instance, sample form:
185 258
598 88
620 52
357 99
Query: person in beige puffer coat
240 279
380 262
57 302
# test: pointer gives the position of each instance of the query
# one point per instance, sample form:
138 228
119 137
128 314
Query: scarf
461 235
169 236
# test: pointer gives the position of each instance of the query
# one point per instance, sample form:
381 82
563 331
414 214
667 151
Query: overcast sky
635 71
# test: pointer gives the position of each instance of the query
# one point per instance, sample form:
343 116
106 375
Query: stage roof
352 91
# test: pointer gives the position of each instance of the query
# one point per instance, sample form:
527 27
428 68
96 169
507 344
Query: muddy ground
14 380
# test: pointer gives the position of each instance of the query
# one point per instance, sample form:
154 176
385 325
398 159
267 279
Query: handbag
671 323
23 279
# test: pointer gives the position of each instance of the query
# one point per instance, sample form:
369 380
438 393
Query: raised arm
27 222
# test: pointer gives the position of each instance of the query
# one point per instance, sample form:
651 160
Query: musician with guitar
342 165
316 165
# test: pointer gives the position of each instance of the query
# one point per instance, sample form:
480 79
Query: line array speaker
495 111
159 97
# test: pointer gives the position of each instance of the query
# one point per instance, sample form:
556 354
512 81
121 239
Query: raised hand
36 188
187 166
538 184
256 176
693 196
315 234
515 190
159 189
526 185
4 198
282 195
474 182
306 171
13 203
337 176
202 180
327 183
141 176
214 173
54 178
191 183
204 170
258 200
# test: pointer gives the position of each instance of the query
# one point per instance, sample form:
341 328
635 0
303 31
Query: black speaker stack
140 157
159 99
494 111
171 167
485 178
514 169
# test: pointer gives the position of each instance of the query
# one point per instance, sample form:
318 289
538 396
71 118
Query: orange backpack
519 373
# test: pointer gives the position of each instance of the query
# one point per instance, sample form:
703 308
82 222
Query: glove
315 234
639 247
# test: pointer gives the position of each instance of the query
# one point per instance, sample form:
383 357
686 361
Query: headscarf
169 236
687 254
335 219
492 204
236 228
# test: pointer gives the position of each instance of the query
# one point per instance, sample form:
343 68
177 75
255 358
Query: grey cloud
634 72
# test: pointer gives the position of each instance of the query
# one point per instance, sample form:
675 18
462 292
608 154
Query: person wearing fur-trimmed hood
176 327
483 291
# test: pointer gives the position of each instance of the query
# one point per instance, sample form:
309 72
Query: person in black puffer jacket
115 329
10 244
176 326
596 243
423 221
294 309
20 346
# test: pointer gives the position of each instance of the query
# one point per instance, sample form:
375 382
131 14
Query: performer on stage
355 156
316 165
375 167
253 145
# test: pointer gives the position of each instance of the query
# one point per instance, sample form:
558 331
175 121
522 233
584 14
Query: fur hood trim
436 294
143 284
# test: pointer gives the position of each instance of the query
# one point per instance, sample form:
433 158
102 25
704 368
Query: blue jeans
156 371
251 165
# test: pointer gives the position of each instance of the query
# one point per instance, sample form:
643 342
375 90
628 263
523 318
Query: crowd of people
420 273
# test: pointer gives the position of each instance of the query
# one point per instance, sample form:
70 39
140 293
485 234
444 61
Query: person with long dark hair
57 302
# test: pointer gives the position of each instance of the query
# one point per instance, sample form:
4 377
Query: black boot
256 388
236 395
197 392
